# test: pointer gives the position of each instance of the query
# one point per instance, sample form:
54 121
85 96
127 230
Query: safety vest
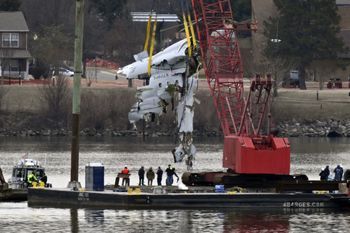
125 171
31 178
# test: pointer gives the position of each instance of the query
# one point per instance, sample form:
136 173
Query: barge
109 199
246 193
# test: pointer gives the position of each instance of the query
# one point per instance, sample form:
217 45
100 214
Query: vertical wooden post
78 55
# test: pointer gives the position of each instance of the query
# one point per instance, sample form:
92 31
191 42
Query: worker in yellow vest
31 179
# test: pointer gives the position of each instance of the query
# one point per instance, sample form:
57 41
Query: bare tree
55 101
323 71
278 69
94 110
3 92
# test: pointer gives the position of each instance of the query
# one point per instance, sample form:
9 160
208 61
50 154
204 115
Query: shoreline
291 128
98 133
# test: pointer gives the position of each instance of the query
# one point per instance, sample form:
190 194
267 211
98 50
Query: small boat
16 189
21 171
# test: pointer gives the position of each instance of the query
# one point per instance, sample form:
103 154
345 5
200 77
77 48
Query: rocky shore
99 133
317 128
292 128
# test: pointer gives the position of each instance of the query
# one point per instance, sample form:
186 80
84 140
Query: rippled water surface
309 155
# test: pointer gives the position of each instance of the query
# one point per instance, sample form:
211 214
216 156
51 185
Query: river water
309 155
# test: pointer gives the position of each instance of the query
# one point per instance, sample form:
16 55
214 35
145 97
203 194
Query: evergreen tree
304 31
109 9
242 9
10 5
52 46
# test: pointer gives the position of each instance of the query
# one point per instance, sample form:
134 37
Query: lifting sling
150 37
153 38
187 31
193 35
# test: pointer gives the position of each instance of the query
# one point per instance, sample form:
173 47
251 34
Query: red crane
249 146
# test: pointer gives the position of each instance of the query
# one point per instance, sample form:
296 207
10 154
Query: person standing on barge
170 172
125 173
325 173
141 176
338 173
150 176
159 176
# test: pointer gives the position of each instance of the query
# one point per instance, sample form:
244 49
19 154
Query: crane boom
221 60
249 146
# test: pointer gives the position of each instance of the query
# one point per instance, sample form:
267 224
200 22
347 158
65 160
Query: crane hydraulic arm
249 145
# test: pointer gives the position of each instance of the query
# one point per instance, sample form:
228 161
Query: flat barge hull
115 200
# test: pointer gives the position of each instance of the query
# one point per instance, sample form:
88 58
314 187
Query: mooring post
78 56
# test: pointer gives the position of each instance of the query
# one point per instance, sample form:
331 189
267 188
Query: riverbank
104 112
292 128
317 128
312 113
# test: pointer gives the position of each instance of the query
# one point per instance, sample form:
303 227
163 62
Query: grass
303 105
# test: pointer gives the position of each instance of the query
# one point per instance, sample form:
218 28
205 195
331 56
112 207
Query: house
14 52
